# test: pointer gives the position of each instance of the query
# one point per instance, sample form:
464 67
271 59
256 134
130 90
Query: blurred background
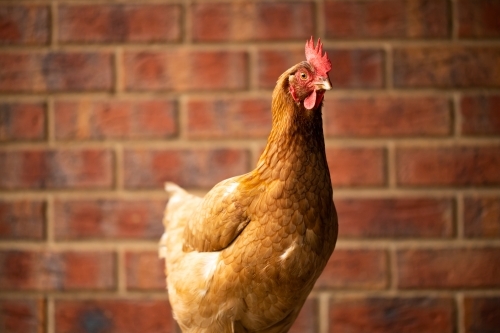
103 101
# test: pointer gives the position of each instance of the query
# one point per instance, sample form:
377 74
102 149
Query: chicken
245 257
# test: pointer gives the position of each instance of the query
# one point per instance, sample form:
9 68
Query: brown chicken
245 257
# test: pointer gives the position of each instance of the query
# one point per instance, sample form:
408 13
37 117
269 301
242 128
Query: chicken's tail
173 189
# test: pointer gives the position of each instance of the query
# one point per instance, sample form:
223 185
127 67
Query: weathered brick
229 118
480 115
22 219
184 70
203 168
448 166
119 23
63 168
395 217
115 119
25 270
448 268
113 315
247 21
386 19
28 24
388 315
26 315
478 18
22 121
108 219
308 319
446 67
55 71
481 314
482 217
387 116
355 269
144 270
356 166
356 68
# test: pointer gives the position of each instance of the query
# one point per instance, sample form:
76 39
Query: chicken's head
310 80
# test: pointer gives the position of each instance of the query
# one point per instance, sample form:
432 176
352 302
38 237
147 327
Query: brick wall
103 101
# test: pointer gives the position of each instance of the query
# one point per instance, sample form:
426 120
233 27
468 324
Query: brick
55 71
478 19
248 21
113 315
481 314
50 168
387 116
229 118
482 217
22 219
22 121
24 25
448 166
355 269
353 68
395 217
480 115
115 119
108 219
387 315
184 70
144 271
25 315
201 168
446 67
307 320
356 166
119 23
386 19
448 268
24 270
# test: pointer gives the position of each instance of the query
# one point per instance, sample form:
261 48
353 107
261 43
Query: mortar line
460 322
324 304
459 217
454 20
50 313
54 32
49 223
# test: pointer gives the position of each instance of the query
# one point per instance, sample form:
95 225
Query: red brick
482 314
247 21
55 71
24 25
448 268
478 18
189 168
387 315
108 219
482 217
387 116
119 23
145 271
355 269
480 115
229 118
64 168
113 315
22 315
307 321
446 67
115 119
22 219
356 166
356 68
184 70
386 19
22 121
54 271
395 217
448 166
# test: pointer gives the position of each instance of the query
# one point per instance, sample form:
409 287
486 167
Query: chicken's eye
303 76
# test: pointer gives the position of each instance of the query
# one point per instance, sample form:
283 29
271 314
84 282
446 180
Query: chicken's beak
323 83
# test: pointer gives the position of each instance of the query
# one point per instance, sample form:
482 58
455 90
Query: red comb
314 56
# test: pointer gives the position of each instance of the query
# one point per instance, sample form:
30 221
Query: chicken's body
245 257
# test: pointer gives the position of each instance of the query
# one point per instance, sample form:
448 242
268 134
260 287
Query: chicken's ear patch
310 101
315 56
